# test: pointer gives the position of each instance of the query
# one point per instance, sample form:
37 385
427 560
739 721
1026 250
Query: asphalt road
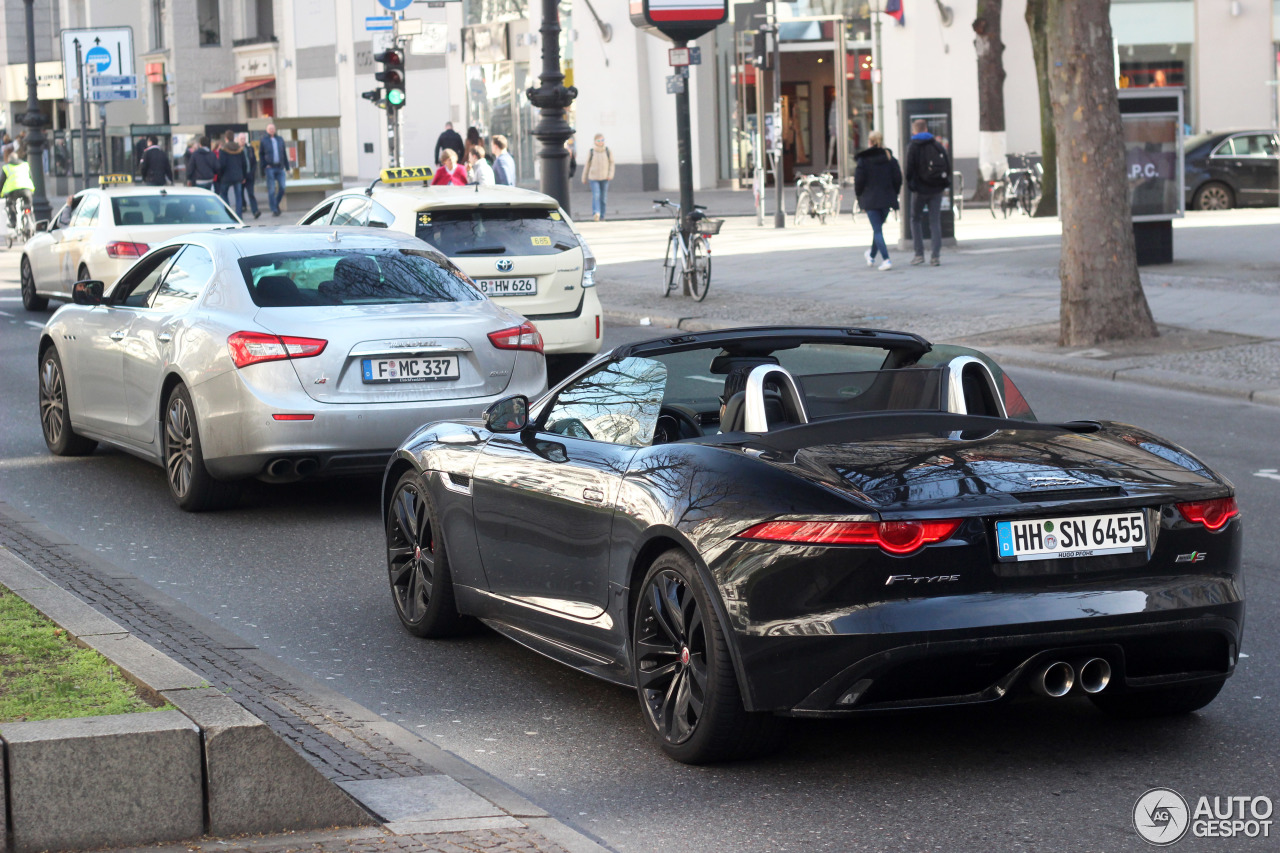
298 571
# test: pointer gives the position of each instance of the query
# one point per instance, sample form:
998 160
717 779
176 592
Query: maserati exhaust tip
280 467
1094 675
306 467
1054 679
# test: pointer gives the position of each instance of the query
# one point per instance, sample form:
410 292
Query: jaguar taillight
1213 515
893 537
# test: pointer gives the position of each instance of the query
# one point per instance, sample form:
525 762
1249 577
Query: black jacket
877 179
203 166
251 164
231 165
452 140
915 180
156 171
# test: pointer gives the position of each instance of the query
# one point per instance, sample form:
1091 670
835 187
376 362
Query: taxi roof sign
110 180
406 174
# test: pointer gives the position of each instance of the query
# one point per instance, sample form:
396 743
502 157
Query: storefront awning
241 88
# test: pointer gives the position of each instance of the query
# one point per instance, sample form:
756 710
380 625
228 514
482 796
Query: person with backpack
928 176
599 172
877 181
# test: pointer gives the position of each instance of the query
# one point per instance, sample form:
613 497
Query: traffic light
391 77
374 95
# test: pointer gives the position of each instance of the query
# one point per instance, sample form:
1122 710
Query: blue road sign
112 95
395 5
379 23
98 58
101 82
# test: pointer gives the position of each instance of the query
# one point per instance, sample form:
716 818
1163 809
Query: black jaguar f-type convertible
754 523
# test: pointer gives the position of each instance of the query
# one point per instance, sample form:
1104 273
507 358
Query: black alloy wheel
418 568
55 417
30 300
191 485
683 674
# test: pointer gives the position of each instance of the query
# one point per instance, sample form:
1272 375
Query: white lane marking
706 379
10 298
34 323
6 313
1269 473
1003 249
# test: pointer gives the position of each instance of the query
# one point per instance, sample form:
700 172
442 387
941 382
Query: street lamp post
34 121
878 73
553 98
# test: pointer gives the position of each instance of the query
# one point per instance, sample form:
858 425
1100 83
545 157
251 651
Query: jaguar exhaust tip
1094 675
1054 679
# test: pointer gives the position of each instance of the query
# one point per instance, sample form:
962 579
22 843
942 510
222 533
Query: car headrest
131 217
277 291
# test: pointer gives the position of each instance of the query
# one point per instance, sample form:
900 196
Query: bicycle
817 196
25 227
957 193
1019 188
691 258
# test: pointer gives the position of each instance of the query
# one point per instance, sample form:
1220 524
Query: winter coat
443 177
914 179
231 164
155 167
600 165
251 164
451 140
877 179
203 166
481 173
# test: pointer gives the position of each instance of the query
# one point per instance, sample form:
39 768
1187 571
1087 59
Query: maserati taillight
252 347
1213 514
525 336
895 537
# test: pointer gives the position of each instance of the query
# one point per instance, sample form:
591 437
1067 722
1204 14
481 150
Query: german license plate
415 369
508 286
1073 536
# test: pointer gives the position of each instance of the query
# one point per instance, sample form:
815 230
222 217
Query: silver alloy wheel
53 402
1215 197
178 446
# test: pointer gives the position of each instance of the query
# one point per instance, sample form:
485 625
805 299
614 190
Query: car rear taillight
524 336
252 347
123 249
895 537
1213 514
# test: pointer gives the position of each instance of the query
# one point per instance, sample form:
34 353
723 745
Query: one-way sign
106 51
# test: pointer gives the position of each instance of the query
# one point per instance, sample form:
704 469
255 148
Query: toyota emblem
504 265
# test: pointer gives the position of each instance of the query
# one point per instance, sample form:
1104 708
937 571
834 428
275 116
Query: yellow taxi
101 231
518 245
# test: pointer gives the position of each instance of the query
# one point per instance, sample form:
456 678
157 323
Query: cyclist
17 185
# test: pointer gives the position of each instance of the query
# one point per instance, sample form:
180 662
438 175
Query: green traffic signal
395 97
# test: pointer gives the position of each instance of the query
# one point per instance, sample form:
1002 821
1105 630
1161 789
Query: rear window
496 231
353 277
170 210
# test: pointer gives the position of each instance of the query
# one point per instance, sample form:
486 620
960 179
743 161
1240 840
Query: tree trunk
991 128
1036 12
1102 296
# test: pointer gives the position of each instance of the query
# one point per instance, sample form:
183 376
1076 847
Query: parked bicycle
1019 188
688 260
21 230
817 196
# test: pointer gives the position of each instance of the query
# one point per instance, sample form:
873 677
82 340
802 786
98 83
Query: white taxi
100 232
518 245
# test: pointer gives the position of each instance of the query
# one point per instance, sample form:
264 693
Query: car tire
684 677
30 299
55 414
1214 195
1158 701
418 563
191 485
560 366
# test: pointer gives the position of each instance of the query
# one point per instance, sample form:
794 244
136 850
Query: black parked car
1232 169
815 522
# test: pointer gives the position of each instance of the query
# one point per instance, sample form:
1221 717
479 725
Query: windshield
354 277
170 210
496 231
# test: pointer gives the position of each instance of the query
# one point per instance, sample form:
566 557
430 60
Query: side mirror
42 225
510 414
87 293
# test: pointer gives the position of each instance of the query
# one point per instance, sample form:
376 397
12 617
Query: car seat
131 217
354 277
278 291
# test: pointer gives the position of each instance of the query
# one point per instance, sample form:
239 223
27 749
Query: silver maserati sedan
277 354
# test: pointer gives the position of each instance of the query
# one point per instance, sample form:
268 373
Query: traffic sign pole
84 117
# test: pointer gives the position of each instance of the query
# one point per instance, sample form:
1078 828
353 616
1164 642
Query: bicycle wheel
28 226
804 206
700 277
821 203
1027 199
669 264
997 200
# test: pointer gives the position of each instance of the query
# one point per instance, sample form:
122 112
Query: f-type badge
504 265
1193 557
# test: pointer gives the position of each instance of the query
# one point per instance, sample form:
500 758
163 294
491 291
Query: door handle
164 337
595 496
119 334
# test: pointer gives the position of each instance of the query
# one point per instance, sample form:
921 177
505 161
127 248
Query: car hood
964 464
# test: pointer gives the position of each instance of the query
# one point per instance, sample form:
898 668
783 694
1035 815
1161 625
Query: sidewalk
1217 305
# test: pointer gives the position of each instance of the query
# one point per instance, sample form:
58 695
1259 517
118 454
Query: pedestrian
274 160
599 172
155 168
473 138
450 139
571 145
218 188
232 168
877 180
250 173
504 165
202 169
451 172
478 169
6 148
928 175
